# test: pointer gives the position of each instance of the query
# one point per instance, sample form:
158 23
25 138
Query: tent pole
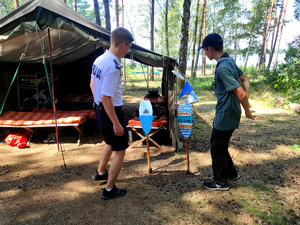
53 100
52 83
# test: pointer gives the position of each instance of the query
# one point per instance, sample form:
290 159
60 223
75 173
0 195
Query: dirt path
35 189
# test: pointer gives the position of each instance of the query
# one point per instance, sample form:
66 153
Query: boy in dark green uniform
228 110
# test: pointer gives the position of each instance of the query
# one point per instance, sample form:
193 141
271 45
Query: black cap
212 40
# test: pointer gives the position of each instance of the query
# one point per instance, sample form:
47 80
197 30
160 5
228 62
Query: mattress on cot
44 118
161 122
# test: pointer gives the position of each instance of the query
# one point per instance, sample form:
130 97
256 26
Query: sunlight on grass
136 82
259 200
32 216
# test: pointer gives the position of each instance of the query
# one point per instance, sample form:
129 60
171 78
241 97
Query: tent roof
72 35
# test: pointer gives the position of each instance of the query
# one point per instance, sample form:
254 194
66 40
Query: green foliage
289 79
291 52
132 65
286 78
6 6
201 83
295 98
252 73
85 9
174 26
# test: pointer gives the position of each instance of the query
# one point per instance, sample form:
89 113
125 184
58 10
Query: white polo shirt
107 78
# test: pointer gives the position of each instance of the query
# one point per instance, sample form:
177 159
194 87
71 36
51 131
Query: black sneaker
114 193
97 176
212 185
235 178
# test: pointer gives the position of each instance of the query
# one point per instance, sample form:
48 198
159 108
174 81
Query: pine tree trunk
193 73
275 35
75 5
166 27
184 38
107 14
16 3
267 23
247 54
199 41
204 33
280 35
274 23
152 37
97 12
235 38
117 13
262 57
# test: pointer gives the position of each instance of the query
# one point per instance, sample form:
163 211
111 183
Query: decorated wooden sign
146 115
146 118
185 118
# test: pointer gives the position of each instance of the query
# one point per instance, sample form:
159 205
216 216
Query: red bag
15 139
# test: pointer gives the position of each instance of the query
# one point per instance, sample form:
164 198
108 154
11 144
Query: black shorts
117 143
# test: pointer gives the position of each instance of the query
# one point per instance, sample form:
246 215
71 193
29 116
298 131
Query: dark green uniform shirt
228 109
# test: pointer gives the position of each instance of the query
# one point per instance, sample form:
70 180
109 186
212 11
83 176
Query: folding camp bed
157 125
45 118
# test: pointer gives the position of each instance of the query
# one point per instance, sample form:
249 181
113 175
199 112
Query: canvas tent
75 43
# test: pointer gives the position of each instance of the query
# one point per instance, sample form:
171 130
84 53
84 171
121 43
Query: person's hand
118 129
250 116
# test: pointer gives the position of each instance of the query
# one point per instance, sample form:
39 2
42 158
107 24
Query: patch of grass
201 83
259 200
139 82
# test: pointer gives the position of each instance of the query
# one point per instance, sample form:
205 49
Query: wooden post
148 154
187 155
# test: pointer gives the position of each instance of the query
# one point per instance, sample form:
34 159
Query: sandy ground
35 188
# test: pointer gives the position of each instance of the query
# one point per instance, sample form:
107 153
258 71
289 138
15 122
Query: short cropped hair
119 35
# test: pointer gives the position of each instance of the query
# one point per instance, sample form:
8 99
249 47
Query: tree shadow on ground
167 195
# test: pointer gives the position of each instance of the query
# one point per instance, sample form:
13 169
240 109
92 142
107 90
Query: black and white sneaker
114 193
212 185
97 176
235 178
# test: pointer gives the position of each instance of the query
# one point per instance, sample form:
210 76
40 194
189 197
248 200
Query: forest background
266 150
263 36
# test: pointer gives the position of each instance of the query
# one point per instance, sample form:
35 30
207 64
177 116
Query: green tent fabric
73 38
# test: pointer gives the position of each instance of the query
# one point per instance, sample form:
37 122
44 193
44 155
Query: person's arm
245 82
110 111
242 96
91 85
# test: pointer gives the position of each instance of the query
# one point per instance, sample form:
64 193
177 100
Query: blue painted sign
146 115
185 118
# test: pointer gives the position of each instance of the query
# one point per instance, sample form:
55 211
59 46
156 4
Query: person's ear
123 44
210 49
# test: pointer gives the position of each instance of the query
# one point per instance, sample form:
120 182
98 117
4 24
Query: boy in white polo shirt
106 85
